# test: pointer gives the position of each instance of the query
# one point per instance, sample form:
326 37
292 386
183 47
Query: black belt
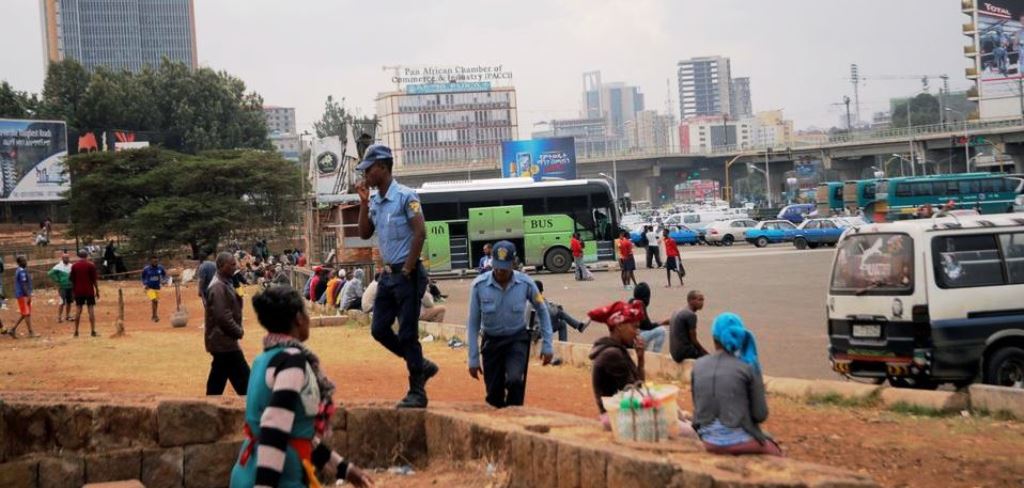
397 268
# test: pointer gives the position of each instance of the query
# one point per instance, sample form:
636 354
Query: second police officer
394 213
497 309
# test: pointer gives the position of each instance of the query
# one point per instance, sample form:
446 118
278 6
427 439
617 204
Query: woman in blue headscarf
728 393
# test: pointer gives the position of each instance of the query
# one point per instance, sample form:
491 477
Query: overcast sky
796 52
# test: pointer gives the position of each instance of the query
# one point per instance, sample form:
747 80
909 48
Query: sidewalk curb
978 398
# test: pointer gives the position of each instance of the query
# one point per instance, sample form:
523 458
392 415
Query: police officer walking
394 213
497 306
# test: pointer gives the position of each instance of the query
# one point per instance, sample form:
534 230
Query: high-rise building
651 131
740 104
437 123
704 87
707 132
280 119
120 35
616 102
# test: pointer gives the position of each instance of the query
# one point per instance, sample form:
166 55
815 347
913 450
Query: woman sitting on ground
728 393
288 404
613 368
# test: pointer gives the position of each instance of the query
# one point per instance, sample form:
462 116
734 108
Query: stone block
944 401
487 443
845 389
125 464
593 467
631 470
182 422
568 465
117 484
209 465
116 427
339 442
73 427
375 431
790 387
61 471
28 429
163 468
520 460
412 436
232 421
544 453
998 399
23 473
448 437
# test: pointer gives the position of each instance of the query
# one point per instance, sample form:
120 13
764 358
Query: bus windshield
876 264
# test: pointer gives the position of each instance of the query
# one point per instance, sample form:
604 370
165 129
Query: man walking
496 308
152 276
224 329
576 246
653 250
85 286
205 273
23 292
60 274
683 342
395 215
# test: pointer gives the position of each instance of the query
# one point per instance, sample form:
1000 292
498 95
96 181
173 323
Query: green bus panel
544 232
496 223
437 254
481 223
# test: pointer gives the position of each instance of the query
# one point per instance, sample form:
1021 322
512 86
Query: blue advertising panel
32 160
539 159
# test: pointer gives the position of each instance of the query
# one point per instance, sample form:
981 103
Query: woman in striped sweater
288 404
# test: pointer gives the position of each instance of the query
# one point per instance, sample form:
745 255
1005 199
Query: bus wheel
1006 368
800 243
761 241
558 260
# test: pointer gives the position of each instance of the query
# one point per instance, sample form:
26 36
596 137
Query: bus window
903 190
970 187
952 188
923 189
837 193
967 261
992 185
869 192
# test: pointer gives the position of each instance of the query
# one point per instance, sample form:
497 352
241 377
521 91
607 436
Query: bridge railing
891 134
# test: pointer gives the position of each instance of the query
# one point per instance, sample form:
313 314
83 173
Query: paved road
778 290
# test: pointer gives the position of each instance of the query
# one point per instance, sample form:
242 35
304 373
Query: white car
726 232
1018 204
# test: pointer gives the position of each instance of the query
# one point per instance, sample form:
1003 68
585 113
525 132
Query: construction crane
856 79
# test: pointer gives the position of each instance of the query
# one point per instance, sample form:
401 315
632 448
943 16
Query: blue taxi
770 232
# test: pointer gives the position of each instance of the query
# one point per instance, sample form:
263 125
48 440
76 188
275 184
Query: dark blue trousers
400 297
504 361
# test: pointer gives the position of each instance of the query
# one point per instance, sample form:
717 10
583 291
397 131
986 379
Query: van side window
967 261
1013 251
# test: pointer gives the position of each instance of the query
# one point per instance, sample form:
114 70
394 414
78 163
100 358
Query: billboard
539 159
32 156
999 43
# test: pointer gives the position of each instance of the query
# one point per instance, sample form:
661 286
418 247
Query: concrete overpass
646 175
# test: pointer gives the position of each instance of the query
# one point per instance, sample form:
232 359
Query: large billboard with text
550 158
999 44
32 156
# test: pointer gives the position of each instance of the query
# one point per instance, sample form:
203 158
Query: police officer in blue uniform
497 306
394 213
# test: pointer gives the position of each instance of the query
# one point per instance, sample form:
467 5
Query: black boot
417 396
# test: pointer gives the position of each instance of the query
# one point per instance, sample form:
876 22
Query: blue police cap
503 255
373 154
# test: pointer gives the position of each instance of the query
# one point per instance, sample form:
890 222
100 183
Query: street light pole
910 138
768 179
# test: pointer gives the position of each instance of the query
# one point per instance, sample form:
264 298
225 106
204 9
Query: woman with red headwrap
613 368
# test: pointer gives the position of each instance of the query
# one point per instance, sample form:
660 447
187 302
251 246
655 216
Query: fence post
119 324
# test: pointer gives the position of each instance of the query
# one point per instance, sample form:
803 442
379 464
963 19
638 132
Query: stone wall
49 440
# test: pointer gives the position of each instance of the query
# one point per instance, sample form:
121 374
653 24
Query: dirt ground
897 449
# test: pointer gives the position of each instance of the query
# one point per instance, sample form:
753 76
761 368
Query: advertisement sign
1000 46
326 166
539 159
424 88
697 191
32 156
444 74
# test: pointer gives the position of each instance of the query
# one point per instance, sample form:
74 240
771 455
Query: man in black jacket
224 330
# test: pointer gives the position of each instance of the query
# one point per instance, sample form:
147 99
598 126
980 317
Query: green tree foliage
335 119
15 104
190 110
160 199
924 110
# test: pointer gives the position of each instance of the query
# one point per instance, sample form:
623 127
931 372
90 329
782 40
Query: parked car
797 212
726 232
812 233
770 232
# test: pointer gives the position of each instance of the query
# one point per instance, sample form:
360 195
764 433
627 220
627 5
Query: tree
160 199
17 105
65 85
924 110
336 119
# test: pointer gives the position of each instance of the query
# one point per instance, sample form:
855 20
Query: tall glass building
119 34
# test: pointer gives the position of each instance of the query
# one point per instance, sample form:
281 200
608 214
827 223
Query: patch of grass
908 409
999 415
838 400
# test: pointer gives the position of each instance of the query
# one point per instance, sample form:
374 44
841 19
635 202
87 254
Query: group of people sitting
340 290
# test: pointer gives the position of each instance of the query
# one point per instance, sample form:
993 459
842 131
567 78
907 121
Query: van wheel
800 243
558 260
761 241
727 240
1006 368
916 383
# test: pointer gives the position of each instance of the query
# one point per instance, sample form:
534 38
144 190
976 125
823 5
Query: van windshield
874 264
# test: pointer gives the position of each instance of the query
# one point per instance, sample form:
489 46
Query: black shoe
430 370
413 400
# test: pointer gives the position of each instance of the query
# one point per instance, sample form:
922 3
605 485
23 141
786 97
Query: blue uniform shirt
152 276
391 214
502 312
22 283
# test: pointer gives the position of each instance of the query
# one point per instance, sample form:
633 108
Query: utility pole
855 79
849 125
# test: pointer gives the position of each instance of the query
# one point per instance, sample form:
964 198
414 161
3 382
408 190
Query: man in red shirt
673 262
576 246
626 262
85 286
